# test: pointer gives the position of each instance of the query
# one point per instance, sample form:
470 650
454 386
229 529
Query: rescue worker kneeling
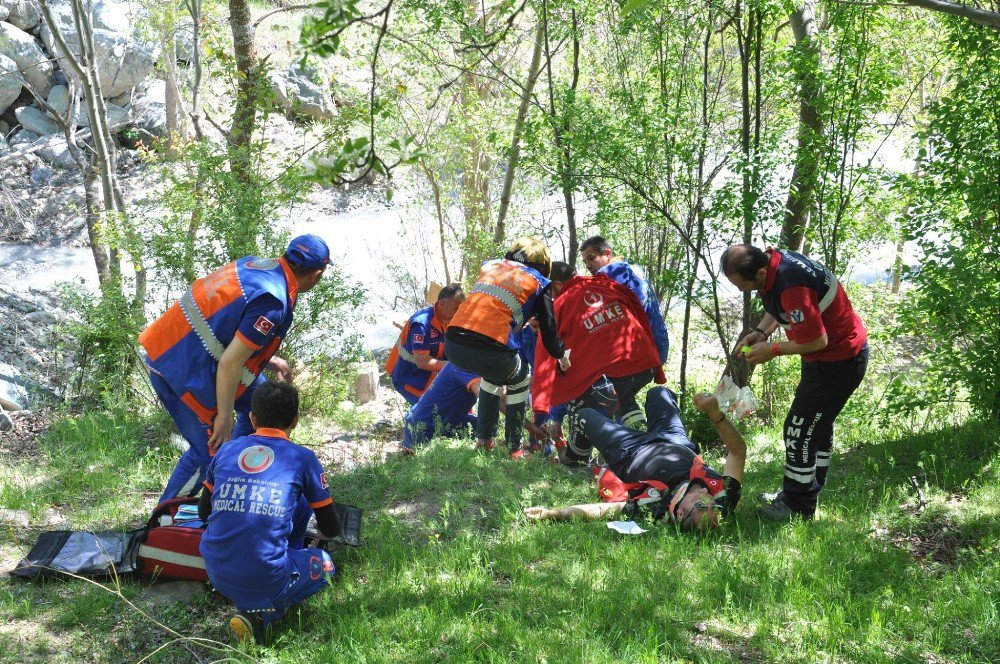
443 410
418 355
260 492
689 492
484 336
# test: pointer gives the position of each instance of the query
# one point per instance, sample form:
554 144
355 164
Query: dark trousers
498 368
822 393
627 387
620 446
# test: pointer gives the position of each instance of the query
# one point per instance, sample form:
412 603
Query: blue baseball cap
308 251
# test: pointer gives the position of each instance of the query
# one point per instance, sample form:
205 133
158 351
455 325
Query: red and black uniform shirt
807 300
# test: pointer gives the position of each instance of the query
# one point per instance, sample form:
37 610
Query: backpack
163 549
173 551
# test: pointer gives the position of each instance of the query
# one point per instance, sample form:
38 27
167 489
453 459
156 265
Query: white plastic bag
735 402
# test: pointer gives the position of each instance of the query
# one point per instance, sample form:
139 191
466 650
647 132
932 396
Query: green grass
450 571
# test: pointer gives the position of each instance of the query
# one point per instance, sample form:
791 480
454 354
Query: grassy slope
451 572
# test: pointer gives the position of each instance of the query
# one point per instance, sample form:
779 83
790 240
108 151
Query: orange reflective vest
501 301
185 343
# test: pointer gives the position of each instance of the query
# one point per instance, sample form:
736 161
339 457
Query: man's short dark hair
275 405
744 260
451 290
597 242
562 271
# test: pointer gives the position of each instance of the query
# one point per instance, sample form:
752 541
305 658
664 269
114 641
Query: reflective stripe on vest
201 328
403 353
506 297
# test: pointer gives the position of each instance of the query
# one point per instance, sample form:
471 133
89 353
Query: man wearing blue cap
206 354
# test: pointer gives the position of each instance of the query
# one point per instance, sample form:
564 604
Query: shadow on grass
451 571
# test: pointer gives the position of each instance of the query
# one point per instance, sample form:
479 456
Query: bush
104 329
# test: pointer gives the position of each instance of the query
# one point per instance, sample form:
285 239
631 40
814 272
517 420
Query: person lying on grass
688 492
260 491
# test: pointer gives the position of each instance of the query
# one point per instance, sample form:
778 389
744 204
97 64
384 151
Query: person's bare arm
428 363
765 328
589 512
736 447
227 378
764 352
280 368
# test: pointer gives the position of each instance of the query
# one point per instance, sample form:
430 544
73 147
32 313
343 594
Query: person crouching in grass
260 491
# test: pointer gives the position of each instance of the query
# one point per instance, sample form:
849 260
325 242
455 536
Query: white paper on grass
626 527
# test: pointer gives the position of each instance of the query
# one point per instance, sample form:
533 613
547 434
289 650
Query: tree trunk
439 211
975 14
476 163
247 89
561 127
194 9
515 143
810 133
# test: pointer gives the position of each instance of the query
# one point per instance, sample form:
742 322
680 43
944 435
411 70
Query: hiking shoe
517 455
247 627
766 497
779 511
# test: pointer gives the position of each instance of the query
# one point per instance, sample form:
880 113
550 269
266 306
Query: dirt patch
22 442
414 512
936 540
32 642
715 637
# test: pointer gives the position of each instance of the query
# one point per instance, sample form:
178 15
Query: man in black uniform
693 494
805 299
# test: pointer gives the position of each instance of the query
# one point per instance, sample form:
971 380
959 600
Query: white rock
23 137
366 383
155 91
124 99
10 83
35 120
24 14
302 92
59 99
27 53
125 56
14 517
150 115
54 150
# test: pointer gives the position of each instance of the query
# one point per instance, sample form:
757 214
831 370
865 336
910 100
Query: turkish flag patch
263 325
322 481
418 338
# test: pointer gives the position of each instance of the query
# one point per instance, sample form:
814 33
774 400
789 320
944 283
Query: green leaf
633 5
